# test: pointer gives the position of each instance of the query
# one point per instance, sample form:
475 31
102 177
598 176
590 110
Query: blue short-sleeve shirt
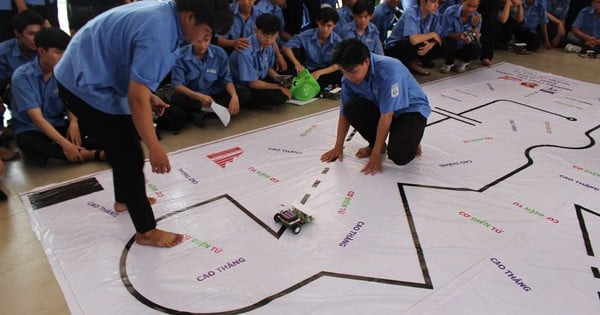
240 27
390 86
411 23
266 6
252 63
139 42
345 14
535 15
315 55
558 8
588 22
6 5
29 91
384 19
208 75
451 23
11 57
370 38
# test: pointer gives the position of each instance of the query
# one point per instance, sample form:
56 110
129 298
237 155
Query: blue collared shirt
135 42
411 23
390 86
558 8
207 76
369 38
240 28
345 14
265 6
11 57
5 5
384 19
252 63
588 22
451 23
315 55
29 91
535 15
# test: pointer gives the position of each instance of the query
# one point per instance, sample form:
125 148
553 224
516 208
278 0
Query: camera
472 38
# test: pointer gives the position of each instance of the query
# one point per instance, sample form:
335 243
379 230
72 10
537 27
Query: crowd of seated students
241 69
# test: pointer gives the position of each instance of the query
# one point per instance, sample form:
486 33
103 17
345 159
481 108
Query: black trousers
39 147
465 53
222 98
405 133
405 52
330 79
489 15
512 27
49 11
121 143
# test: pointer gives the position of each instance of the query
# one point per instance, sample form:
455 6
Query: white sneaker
446 68
572 48
461 66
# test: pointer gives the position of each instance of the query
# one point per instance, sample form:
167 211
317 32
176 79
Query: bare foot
364 152
121 206
419 152
158 238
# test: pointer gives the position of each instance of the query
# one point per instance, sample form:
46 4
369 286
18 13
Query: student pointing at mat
379 98
107 75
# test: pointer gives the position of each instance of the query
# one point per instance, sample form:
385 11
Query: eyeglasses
266 37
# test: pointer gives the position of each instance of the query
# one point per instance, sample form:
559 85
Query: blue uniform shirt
451 23
207 76
139 41
390 86
265 6
346 17
535 15
5 5
412 22
252 63
30 91
315 55
240 28
588 22
11 57
369 38
384 19
558 8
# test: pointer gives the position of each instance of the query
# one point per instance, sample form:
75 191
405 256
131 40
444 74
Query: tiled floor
28 286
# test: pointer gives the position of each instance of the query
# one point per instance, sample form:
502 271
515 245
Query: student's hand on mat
332 155
158 105
73 134
159 160
373 166
72 152
241 44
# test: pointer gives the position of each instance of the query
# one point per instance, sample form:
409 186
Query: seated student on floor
254 66
362 28
460 31
386 14
415 39
585 33
557 11
244 17
41 131
344 16
200 77
274 7
528 31
312 49
381 100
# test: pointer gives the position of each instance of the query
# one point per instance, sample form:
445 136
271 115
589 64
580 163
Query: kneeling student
380 98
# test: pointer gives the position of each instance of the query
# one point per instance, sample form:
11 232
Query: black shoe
197 119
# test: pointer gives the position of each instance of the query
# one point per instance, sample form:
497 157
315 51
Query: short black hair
363 5
28 17
328 14
214 13
52 37
349 53
268 23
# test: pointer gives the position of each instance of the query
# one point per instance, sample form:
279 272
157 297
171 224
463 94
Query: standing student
128 51
381 100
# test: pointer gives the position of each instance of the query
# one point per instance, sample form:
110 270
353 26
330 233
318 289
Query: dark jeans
405 133
512 27
37 146
293 14
121 143
489 15
465 53
405 52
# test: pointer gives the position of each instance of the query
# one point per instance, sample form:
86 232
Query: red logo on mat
227 156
